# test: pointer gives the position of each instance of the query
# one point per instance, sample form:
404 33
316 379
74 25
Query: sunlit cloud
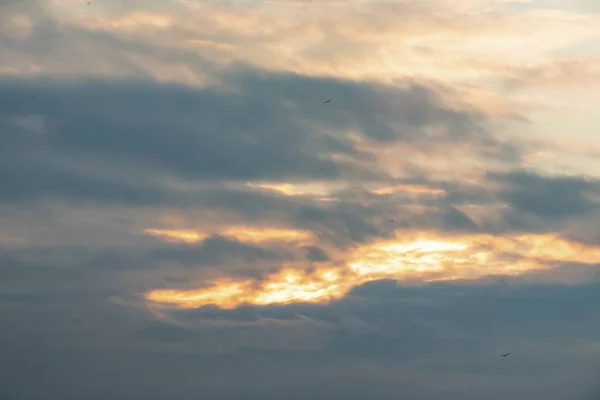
299 189
187 236
409 189
454 42
242 233
424 257
258 235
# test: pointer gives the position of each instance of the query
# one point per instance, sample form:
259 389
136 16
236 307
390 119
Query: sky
183 216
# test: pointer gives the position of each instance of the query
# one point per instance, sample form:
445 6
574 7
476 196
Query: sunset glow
186 236
241 233
425 259
299 189
410 189
257 235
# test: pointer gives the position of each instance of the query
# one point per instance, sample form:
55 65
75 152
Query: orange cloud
258 234
423 257
241 233
410 189
283 188
187 236
299 189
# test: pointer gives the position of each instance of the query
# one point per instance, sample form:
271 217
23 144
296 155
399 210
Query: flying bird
505 355
325 102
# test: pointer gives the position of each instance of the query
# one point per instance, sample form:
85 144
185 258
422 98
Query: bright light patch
397 259
241 233
409 189
187 236
299 189
425 258
257 234
287 286
283 188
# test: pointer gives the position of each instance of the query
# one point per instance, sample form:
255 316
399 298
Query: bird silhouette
325 102
505 355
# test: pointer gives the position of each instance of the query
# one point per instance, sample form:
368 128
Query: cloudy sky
182 216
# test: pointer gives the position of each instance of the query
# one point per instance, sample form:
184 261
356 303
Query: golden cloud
241 233
411 257
174 235
410 189
257 235
289 189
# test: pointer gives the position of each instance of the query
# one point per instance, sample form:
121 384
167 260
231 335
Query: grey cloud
63 266
433 341
253 133
548 197
39 182
145 144
441 216
199 134
165 332
458 220
488 316
96 151
339 226
215 250
316 254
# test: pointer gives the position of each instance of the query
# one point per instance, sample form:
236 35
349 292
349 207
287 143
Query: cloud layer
183 216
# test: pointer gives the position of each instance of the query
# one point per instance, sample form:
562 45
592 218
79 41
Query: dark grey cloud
60 267
41 182
165 332
342 225
273 127
548 197
142 144
434 341
198 134
316 254
216 250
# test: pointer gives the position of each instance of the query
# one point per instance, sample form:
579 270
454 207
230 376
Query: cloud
316 254
549 197
182 216
214 250
416 257
435 341
191 133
